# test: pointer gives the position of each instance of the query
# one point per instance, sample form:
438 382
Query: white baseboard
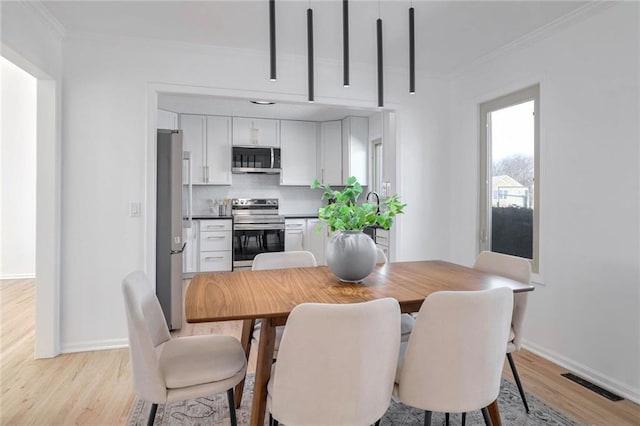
94 345
27 276
596 377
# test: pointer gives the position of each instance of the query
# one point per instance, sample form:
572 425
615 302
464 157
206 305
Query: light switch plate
135 208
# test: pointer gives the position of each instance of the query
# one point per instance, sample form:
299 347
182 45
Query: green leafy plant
344 213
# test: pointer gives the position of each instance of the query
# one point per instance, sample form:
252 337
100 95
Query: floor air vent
595 388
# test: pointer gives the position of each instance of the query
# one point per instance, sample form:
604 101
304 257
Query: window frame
531 93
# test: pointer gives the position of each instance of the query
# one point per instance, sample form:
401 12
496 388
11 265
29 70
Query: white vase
351 255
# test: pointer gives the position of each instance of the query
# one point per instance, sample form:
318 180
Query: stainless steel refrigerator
169 241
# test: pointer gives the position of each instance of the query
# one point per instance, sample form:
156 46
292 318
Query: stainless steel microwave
253 159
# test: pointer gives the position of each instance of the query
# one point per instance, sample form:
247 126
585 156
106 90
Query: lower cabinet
382 241
303 234
317 239
211 248
191 251
216 245
294 234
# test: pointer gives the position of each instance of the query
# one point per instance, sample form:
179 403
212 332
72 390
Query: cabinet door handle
216 238
214 258
294 225
294 232
215 226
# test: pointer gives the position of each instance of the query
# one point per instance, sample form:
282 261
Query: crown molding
575 16
222 50
47 17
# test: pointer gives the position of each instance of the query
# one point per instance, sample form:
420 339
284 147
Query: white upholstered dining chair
283 259
336 364
518 269
169 369
280 260
406 320
453 360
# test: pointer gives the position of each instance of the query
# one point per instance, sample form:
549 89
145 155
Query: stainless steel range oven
257 228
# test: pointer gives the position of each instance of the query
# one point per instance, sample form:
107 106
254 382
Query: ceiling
449 35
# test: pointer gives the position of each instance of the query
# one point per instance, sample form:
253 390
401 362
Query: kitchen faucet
377 200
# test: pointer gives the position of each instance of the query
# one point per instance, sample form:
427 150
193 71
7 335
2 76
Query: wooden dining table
270 295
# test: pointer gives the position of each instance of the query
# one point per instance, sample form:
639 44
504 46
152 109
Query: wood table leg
245 340
263 371
494 413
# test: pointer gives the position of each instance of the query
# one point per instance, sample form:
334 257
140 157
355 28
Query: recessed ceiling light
262 102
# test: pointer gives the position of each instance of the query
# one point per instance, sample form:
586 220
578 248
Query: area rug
213 411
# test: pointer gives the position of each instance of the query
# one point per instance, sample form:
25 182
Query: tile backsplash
293 199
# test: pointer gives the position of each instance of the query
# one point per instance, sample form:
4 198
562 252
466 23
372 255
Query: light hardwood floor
94 388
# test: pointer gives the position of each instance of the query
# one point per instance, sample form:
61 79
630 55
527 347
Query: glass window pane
512 142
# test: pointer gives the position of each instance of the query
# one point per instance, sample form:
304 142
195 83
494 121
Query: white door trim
48 137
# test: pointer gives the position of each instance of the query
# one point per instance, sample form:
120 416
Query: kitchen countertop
287 216
208 216
301 216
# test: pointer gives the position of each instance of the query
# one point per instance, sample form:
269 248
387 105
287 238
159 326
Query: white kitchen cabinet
208 139
382 241
298 143
216 245
167 119
355 142
317 240
194 140
256 132
294 234
303 234
218 158
191 252
330 153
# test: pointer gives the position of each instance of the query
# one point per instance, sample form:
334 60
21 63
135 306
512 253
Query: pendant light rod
310 52
272 39
345 41
412 52
380 76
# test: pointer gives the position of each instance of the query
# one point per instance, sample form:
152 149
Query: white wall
586 315
105 154
18 173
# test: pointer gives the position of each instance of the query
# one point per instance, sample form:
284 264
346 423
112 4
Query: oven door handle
258 227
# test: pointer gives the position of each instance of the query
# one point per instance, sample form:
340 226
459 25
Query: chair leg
464 419
427 418
517 377
152 414
485 414
446 419
232 407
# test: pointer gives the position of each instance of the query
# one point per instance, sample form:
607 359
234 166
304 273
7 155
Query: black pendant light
380 76
272 39
345 41
310 52
412 53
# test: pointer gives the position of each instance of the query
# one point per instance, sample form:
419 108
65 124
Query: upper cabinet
355 141
343 150
218 150
299 152
208 139
256 132
167 119
330 159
